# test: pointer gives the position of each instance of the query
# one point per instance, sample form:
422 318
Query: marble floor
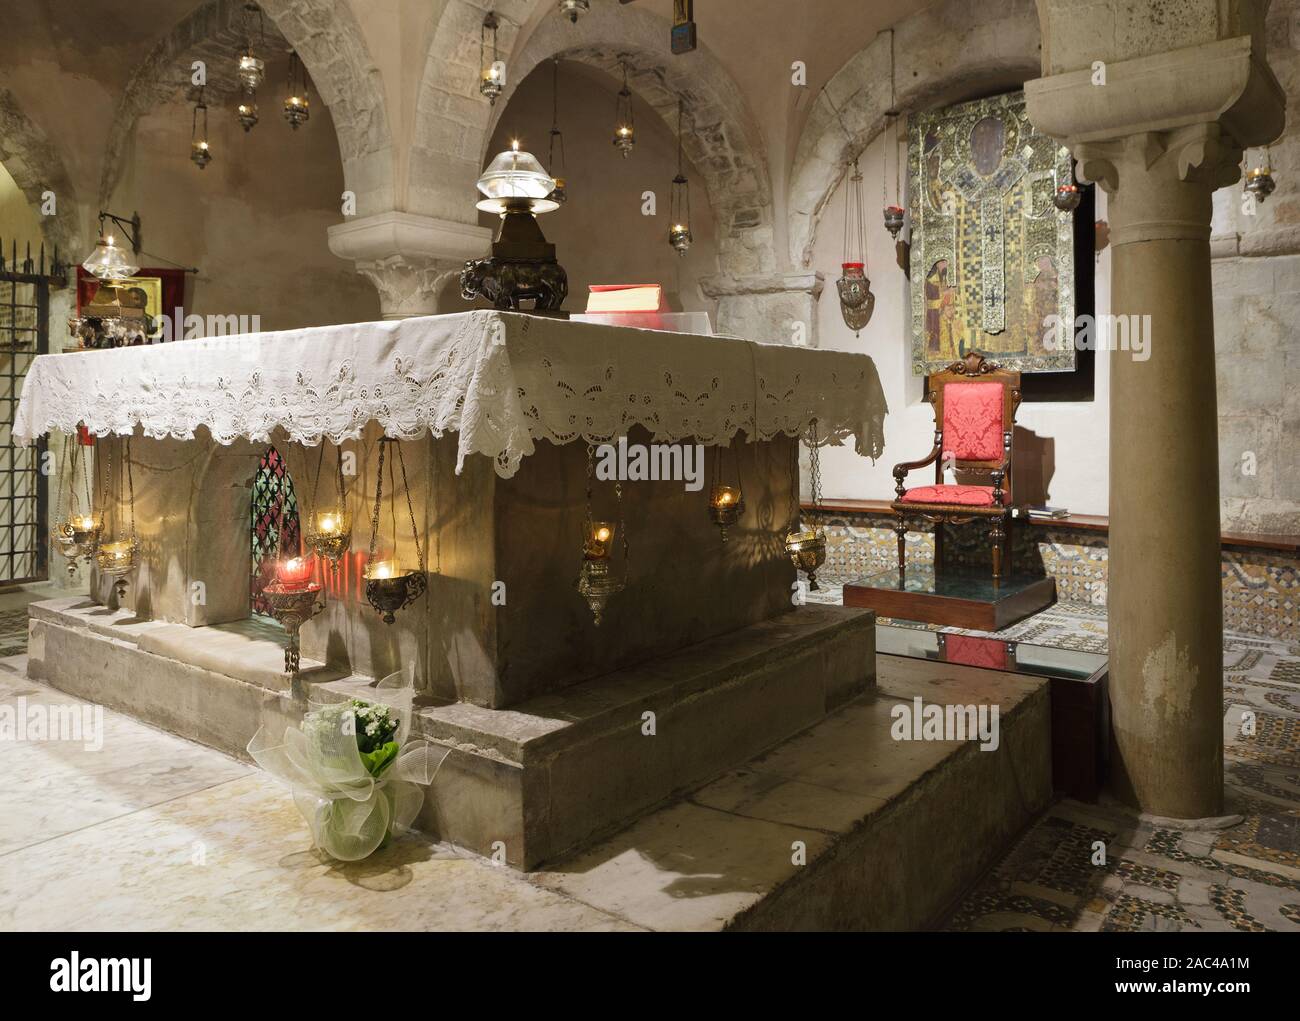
155 832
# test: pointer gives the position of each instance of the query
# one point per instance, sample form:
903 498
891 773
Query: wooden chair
975 405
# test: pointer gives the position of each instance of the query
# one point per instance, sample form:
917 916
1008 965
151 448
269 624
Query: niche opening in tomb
275 525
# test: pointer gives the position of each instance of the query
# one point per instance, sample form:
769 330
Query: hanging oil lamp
117 559
596 582
806 545
247 112
329 528
77 535
491 75
200 151
573 9
624 125
252 69
856 300
893 211
726 499
1067 197
297 105
1259 179
390 586
294 597
679 234
558 194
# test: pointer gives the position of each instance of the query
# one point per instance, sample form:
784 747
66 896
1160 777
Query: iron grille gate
24 489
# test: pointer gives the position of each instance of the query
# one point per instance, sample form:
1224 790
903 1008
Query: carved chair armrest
999 474
901 470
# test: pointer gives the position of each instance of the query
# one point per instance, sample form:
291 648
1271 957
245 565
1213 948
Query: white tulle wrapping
349 812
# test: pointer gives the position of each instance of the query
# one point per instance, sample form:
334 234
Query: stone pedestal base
528 783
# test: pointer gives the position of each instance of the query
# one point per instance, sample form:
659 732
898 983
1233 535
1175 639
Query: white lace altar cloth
501 381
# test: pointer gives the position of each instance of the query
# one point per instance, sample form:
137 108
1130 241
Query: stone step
549 775
891 832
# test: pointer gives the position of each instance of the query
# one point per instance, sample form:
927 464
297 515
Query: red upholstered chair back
972 421
975 404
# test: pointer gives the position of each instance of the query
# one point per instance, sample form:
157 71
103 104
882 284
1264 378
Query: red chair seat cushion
970 496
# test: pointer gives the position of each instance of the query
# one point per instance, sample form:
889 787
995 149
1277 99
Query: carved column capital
408 285
407 257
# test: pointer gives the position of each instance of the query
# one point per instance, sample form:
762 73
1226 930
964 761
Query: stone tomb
560 731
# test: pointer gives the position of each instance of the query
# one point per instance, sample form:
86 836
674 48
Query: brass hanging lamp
200 150
329 526
893 209
679 234
624 123
806 545
491 81
390 584
596 582
854 286
297 104
726 497
559 194
117 559
1259 178
76 535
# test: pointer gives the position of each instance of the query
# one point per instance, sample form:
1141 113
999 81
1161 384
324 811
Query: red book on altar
625 298
635 305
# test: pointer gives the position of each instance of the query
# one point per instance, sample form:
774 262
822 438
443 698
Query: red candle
294 573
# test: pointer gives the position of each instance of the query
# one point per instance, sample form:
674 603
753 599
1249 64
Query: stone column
408 258
776 308
1161 133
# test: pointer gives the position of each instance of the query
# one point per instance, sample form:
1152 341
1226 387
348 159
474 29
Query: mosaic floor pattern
1089 867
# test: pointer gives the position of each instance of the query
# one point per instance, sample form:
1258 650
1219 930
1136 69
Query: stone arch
726 146
329 41
954 50
36 167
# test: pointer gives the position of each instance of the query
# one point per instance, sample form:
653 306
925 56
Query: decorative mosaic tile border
1261 590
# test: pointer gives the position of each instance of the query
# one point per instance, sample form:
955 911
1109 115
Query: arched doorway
275 527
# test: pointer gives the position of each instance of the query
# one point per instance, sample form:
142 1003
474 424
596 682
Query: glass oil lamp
297 105
251 68
1067 197
491 76
77 538
807 546
894 220
247 112
294 573
117 560
857 303
624 125
109 260
200 151
679 234
294 598
597 584
573 9
807 549
328 533
1259 179
251 71
726 505
391 585
600 541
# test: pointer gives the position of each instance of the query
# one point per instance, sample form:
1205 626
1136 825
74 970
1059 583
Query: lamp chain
415 532
379 490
